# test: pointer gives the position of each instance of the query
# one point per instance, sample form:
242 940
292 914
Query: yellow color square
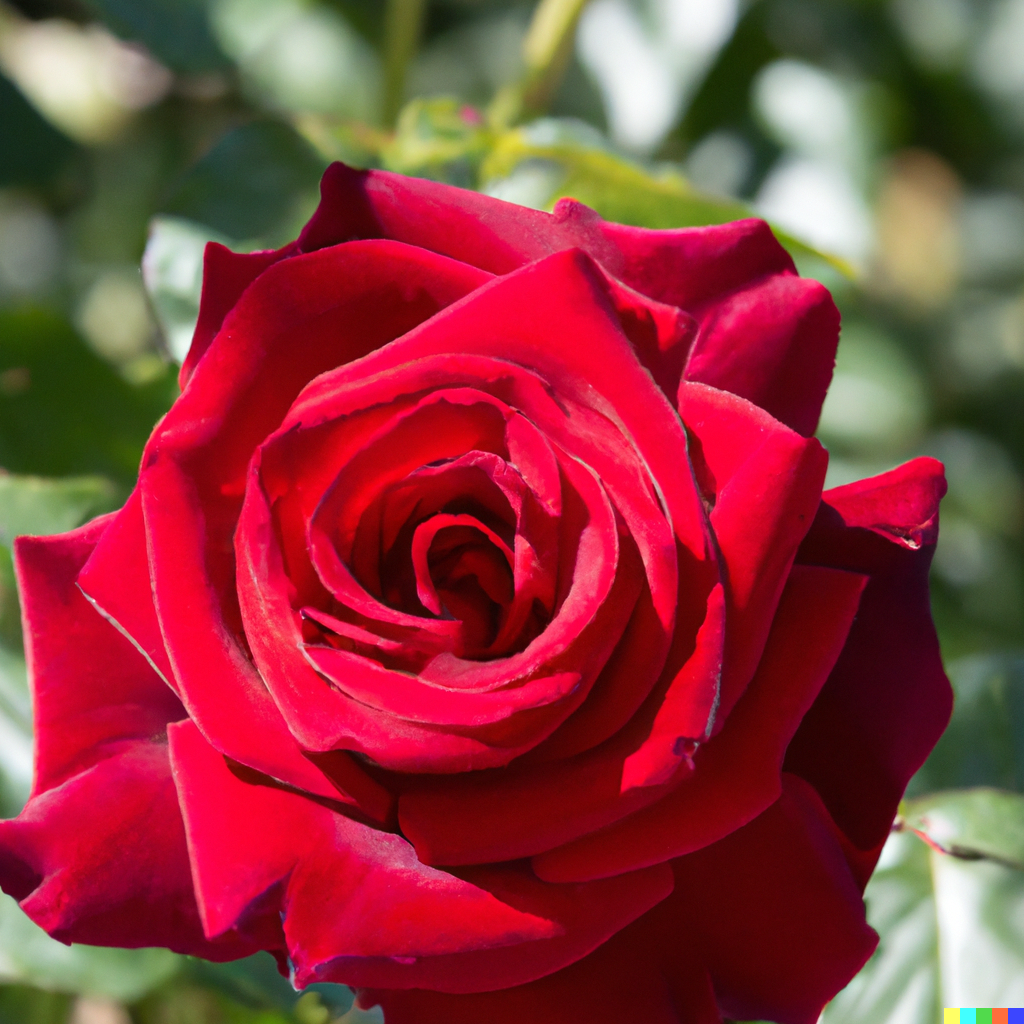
951 1016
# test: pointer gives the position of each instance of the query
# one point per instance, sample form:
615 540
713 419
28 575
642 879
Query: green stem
547 49
403 24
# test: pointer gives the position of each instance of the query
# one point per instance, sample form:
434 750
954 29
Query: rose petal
775 912
92 691
116 581
226 275
623 980
687 713
761 328
765 485
736 773
221 688
774 344
101 859
888 699
357 905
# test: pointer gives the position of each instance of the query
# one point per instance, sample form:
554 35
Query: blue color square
1015 1015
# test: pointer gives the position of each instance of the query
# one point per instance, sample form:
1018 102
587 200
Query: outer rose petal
357 905
623 980
775 912
116 581
737 773
92 692
226 275
98 854
764 481
762 329
887 700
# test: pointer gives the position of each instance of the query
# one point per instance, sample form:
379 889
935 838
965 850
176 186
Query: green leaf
29 956
254 180
172 270
40 505
15 734
63 410
440 138
31 149
20 1004
952 934
984 744
174 31
256 982
971 823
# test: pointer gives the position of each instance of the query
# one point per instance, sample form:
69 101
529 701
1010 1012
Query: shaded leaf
31 149
254 179
29 956
63 410
20 1004
176 32
255 981
984 744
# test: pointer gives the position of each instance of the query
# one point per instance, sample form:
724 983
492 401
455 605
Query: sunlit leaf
172 269
619 189
43 505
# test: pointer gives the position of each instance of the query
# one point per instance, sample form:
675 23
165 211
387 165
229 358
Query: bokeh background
884 139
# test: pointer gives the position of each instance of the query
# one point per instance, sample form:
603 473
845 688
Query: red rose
478 634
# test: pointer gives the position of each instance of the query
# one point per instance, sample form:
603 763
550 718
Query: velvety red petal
116 581
774 343
736 774
101 859
487 233
761 327
623 980
98 854
226 275
775 912
220 686
887 700
357 905
764 482
92 691
686 714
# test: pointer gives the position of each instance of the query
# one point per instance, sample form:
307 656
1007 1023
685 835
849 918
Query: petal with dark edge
737 773
775 912
887 700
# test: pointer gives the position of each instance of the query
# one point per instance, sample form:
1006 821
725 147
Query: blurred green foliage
883 138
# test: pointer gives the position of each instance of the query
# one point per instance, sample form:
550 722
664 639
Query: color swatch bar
983 1015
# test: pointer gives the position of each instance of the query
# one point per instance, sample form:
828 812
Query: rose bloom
478 634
